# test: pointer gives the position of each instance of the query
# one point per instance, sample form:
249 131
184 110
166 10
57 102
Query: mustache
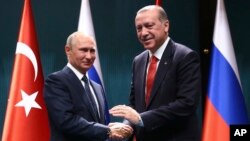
146 37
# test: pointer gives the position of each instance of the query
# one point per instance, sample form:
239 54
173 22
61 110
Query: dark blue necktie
90 95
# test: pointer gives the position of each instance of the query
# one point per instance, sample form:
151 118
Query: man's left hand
126 112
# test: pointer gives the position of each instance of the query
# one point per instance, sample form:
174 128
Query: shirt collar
159 52
76 72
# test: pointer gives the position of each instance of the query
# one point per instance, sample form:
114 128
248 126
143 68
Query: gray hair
162 14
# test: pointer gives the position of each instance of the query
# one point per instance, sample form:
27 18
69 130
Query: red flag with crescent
26 116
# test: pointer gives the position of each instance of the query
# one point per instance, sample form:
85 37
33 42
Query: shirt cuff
140 123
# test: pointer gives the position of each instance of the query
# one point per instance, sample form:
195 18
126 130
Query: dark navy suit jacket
71 115
171 113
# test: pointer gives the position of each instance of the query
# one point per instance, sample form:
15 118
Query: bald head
77 36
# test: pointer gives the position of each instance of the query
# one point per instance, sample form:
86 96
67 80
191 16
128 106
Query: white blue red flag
85 24
225 104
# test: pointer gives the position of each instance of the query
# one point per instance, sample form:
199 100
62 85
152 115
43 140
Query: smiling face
151 30
81 52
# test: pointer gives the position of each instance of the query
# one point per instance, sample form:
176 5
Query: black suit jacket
70 113
171 113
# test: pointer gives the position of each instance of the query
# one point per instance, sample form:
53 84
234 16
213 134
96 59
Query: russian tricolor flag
85 24
225 103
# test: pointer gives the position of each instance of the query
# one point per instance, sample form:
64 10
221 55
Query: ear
67 50
166 24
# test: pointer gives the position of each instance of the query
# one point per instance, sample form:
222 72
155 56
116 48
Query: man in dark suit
165 90
75 104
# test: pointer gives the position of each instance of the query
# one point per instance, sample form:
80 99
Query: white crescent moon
27 51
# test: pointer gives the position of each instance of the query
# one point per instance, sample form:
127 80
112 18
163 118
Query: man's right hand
119 131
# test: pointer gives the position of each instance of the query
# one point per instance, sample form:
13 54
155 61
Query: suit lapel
93 112
163 68
142 70
78 86
100 100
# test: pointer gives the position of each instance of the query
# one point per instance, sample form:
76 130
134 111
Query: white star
28 102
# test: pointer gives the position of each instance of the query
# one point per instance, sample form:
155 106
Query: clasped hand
119 131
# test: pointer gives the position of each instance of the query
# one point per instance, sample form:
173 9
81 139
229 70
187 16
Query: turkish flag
158 2
26 116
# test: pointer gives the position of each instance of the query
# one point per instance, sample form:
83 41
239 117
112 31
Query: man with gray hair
165 86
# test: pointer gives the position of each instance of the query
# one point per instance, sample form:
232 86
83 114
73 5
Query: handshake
120 131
